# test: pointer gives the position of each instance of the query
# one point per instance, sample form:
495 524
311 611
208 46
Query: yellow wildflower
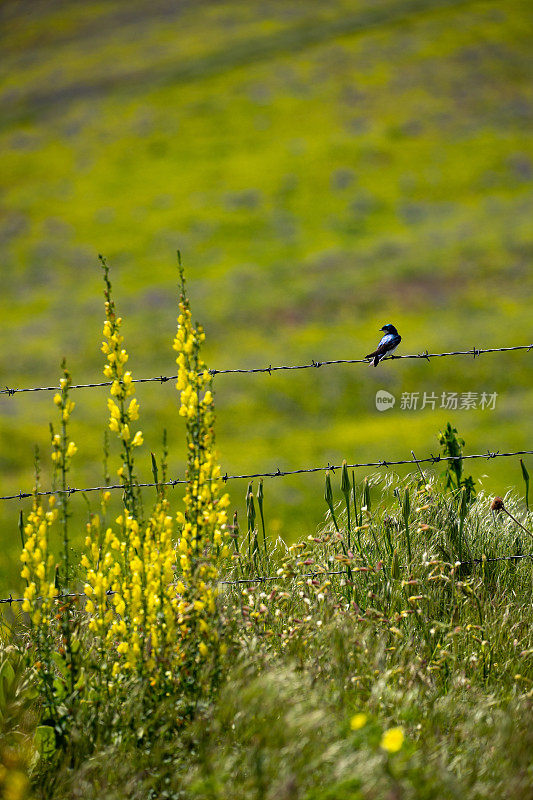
358 721
137 440
392 740
71 449
203 649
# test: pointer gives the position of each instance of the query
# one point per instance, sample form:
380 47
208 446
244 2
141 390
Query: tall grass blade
406 510
525 475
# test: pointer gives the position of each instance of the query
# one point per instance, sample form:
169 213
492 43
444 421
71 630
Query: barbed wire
277 474
266 578
474 351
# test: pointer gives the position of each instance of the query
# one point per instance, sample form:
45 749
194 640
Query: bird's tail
375 359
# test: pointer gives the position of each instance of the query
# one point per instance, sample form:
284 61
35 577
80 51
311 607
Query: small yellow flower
133 410
202 647
114 410
392 740
137 439
358 721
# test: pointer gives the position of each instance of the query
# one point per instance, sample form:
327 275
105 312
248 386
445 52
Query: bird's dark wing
386 344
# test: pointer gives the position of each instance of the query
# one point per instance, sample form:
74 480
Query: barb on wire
474 351
20 495
264 578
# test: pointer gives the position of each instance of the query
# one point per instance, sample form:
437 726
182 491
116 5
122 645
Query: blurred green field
324 169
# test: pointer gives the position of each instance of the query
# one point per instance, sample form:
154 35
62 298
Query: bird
387 345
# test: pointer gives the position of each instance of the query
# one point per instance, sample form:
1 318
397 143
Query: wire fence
431 459
268 578
278 473
474 351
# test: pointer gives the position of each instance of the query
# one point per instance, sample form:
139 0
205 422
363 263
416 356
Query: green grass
323 170
442 651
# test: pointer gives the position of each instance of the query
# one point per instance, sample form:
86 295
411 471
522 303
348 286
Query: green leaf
7 676
60 689
406 505
45 741
60 663
395 566
82 681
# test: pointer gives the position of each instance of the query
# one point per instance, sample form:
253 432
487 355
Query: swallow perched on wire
387 345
